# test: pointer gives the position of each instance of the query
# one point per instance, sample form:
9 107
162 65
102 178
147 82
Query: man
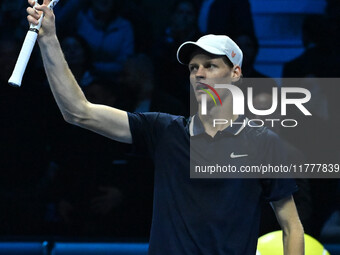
190 216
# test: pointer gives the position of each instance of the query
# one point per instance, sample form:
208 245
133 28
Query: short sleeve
275 154
147 129
277 189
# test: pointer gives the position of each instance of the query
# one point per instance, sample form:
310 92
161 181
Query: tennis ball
271 244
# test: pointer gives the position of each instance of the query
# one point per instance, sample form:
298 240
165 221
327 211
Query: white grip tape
23 59
26 50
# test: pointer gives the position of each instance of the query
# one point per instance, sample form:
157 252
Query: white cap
214 44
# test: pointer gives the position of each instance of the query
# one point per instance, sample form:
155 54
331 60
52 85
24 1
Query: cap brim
186 50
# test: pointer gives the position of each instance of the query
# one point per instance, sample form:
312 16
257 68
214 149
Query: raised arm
288 218
75 108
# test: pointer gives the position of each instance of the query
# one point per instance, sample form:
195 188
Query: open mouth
201 86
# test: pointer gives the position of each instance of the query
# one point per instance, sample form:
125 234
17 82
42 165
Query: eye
193 68
210 66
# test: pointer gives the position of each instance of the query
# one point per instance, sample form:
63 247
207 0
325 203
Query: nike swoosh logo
232 155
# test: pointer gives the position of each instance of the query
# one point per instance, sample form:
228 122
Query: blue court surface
68 248
90 248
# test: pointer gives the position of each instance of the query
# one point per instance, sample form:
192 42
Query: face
184 17
206 69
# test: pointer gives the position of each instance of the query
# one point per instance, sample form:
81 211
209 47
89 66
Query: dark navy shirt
203 216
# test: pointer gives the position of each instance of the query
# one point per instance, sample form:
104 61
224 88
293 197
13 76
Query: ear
236 73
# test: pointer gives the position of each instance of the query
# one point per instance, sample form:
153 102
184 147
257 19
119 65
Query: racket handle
24 56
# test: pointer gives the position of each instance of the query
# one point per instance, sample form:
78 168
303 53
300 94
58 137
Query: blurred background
59 181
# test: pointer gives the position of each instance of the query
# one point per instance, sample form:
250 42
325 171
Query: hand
65 210
48 24
103 204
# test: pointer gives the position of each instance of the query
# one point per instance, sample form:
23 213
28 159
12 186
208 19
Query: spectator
109 36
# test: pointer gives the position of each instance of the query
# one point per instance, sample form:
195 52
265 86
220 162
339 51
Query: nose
200 74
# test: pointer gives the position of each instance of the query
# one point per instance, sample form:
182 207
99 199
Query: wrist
47 40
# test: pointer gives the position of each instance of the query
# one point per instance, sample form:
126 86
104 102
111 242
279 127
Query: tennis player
190 216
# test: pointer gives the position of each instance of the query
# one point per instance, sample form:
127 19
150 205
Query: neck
224 112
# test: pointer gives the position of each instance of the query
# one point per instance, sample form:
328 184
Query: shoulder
156 118
150 127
